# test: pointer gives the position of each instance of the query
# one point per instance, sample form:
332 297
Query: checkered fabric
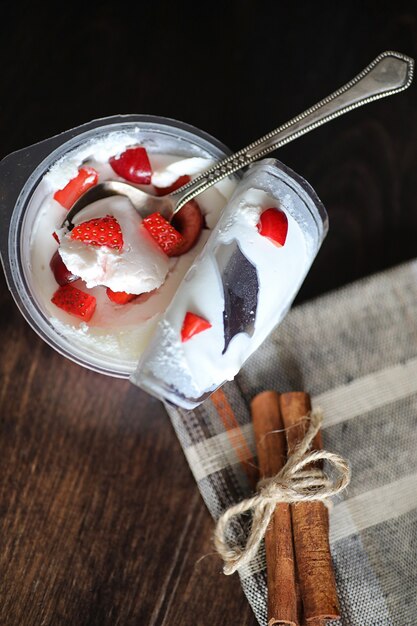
355 352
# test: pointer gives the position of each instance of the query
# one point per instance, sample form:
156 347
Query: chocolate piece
240 286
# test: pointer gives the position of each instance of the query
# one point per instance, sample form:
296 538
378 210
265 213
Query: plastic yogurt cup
238 289
113 340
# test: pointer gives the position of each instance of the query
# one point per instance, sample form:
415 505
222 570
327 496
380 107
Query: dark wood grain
100 519
101 523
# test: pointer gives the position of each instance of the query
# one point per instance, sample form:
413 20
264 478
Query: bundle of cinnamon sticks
301 582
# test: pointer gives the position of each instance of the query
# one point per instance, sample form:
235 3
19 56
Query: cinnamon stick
271 448
310 524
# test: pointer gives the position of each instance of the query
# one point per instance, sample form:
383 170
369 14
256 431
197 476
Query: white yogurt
120 332
139 267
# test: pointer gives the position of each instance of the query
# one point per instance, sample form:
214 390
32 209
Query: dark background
100 520
236 70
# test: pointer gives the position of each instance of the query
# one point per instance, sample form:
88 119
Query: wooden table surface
100 520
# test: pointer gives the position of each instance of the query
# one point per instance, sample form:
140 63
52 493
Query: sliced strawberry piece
120 297
62 274
192 325
180 182
55 236
189 221
164 234
75 302
102 231
273 224
133 165
86 178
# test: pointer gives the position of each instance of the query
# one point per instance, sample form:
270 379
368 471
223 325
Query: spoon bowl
143 202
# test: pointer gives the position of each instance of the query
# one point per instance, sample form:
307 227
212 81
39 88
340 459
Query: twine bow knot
295 482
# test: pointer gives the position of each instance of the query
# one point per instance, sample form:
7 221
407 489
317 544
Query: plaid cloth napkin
355 352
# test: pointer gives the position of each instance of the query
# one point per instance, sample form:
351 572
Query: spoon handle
389 73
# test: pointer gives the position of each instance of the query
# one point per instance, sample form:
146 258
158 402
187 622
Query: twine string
295 482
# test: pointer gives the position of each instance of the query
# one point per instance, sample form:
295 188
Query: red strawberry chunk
86 178
55 236
120 297
102 231
164 234
133 165
273 224
75 302
62 274
189 222
192 325
180 182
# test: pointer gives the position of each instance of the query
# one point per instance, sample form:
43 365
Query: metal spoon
389 73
